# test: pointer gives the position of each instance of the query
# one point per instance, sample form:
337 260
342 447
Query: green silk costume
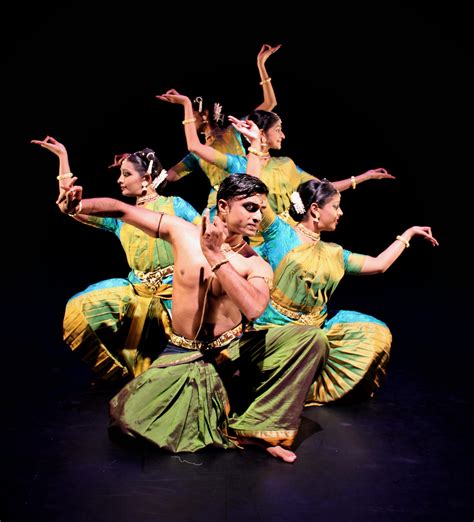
185 401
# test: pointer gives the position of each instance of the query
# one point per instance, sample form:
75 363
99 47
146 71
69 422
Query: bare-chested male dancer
181 403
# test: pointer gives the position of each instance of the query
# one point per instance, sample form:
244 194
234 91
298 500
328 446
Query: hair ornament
217 115
295 198
198 100
150 156
159 179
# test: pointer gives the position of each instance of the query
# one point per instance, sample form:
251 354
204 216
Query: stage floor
405 455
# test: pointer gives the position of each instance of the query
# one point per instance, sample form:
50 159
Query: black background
359 86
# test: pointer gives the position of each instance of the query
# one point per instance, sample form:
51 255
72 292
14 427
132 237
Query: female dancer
118 326
281 175
307 271
209 121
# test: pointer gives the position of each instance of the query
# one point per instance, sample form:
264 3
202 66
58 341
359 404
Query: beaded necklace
144 199
308 233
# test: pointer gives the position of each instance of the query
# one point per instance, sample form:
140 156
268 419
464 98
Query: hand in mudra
247 128
173 96
424 232
379 173
71 199
213 233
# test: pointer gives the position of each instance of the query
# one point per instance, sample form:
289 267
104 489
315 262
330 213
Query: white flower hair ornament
159 179
217 113
295 198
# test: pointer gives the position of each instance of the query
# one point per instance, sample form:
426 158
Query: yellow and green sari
305 277
119 326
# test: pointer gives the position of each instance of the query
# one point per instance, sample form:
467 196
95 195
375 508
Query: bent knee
320 343
312 337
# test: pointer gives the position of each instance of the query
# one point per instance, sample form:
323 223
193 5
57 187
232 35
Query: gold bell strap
153 279
204 346
311 318
284 438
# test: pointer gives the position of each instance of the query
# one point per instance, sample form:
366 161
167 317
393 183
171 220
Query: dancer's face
330 213
274 136
243 215
130 181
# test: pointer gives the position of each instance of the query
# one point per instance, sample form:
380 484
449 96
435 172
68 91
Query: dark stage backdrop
359 86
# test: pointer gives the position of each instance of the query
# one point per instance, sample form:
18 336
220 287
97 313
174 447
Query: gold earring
316 217
144 187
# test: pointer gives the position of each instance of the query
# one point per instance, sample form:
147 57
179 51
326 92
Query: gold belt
204 346
153 279
310 318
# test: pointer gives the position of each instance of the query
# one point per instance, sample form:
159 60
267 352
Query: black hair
264 119
141 161
241 186
313 191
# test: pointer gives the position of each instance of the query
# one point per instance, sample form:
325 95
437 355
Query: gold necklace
308 233
225 247
145 199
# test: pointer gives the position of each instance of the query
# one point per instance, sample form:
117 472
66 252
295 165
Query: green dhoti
185 400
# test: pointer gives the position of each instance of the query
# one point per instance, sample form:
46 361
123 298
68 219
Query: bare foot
275 451
281 453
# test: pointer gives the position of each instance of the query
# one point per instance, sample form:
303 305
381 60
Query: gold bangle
76 211
216 266
189 120
258 153
403 240
266 80
64 176
353 182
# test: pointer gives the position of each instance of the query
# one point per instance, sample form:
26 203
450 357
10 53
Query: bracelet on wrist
404 241
217 265
189 120
353 182
265 81
64 176
258 153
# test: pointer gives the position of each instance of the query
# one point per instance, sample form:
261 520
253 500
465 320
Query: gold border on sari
204 346
153 279
309 318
